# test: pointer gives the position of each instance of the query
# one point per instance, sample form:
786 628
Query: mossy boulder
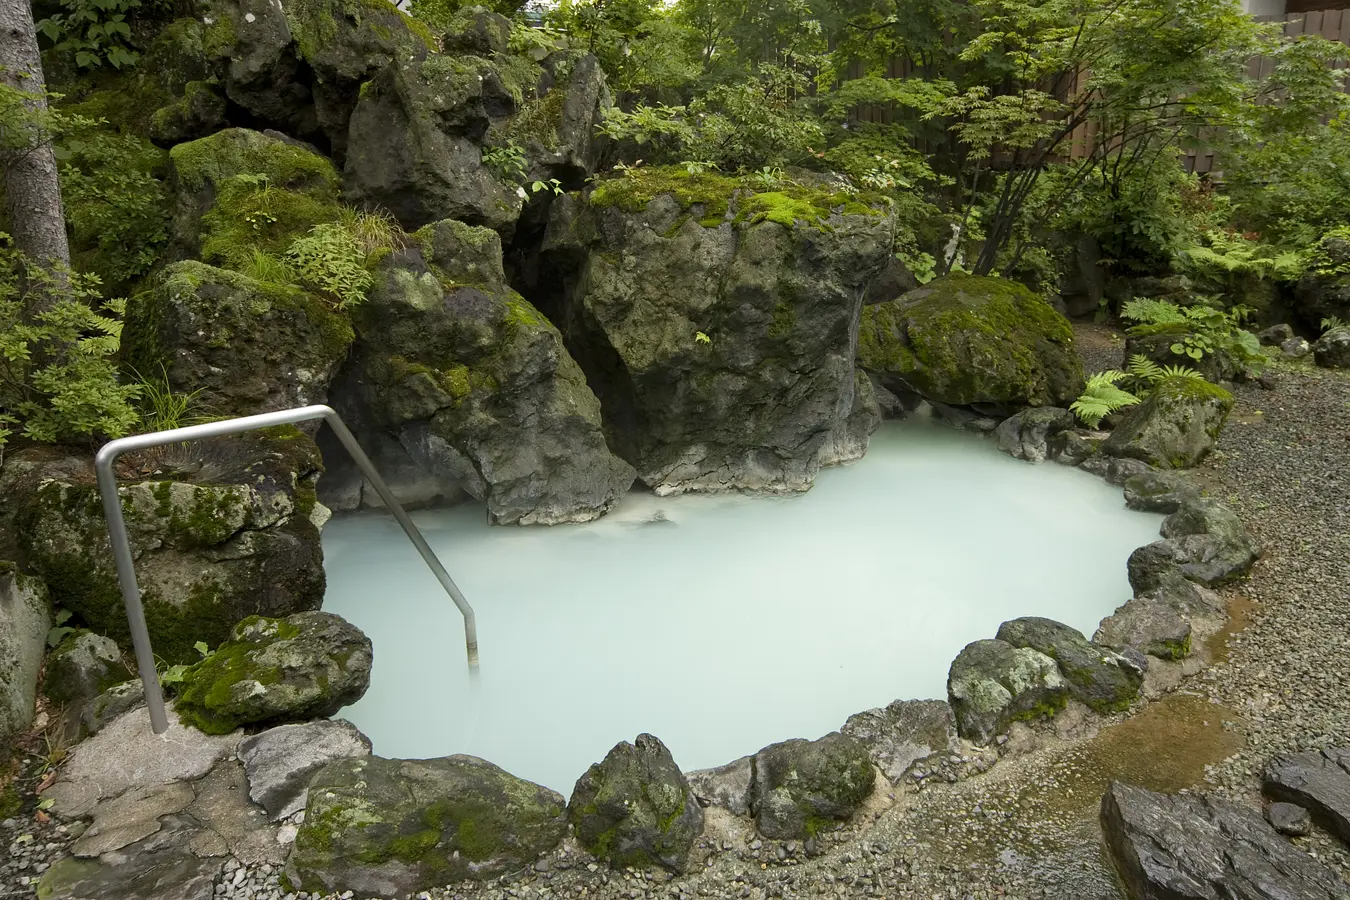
81 667
558 118
800 788
271 671
1149 624
1162 492
716 323
1155 343
392 827
1104 680
635 808
25 619
1175 427
474 30
1332 350
200 112
415 145
247 346
964 340
240 192
475 381
992 684
220 530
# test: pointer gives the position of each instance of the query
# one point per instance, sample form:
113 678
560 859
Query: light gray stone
131 817
904 733
279 762
25 619
725 786
160 867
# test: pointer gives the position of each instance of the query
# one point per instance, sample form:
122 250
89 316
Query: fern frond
1178 372
1101 397
1144 369
1152 311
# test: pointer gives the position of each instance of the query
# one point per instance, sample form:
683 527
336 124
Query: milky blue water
737 622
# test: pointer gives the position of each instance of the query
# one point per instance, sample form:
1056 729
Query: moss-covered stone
81 667
635 808
1100 678
393 827
799 788
1176 426
198 113
963 340
25 618
992 684
305 666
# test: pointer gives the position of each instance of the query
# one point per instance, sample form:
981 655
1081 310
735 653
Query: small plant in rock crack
170 675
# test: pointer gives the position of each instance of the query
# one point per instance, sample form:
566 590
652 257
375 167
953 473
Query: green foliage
330 262
93 33
174 675
506 162
163 408
57 633
58 377
1199 330
1331 323
1227 253
1102 397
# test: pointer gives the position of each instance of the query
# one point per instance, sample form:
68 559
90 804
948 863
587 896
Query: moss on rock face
963 340
1176 426
305 666
1100 678
799 788
992 684
395 827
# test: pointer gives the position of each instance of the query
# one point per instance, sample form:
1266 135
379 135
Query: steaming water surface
738 621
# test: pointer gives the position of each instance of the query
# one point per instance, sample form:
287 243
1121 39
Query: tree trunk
32 194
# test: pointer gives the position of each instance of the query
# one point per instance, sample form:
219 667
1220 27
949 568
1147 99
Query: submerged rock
392 827
903 734
25 618
963 340
636 809
304 666
800 788
1318 781
476 384
992 684
1176 427
1027 434
279 762
1107 682
227 530
1332 350
1199 848
717 324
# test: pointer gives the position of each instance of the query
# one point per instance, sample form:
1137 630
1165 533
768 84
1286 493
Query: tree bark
32 193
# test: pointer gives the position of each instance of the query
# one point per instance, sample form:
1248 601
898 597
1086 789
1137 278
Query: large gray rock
280 762
415 149
800 788
726 786
81 667
1319 781
1106 681
1027 434
635 808
477 386
717 325
1184 847
903 734
992 684
1332 350
1213 545
964 340
247 346
226 530
391 827
304 666
1176 427
1148 624
1163 492
25 619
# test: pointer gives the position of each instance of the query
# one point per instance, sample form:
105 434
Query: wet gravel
1027 828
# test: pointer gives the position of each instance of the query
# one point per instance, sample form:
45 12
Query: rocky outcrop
1196 848
635 808
1324 290
1105 681
715 323
279 762
1148 624
1028 434
391 827
246 346
1332 350
475 384
992 684
904 734
800 788
1204 542
726 786
1318 781
225 530
304 666
968 341
1175 427
25 618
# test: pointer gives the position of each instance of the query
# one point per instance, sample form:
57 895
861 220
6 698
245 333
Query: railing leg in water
121 547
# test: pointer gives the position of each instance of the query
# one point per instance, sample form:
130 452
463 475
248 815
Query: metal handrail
121 546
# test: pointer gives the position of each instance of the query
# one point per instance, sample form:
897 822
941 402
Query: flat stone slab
131 817
160 867
1197 848
1319 781
281 761
127 754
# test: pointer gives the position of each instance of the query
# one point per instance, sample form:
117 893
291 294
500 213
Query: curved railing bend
121 547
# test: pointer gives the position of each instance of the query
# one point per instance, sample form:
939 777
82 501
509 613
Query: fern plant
1331 323
1200 330
1102 397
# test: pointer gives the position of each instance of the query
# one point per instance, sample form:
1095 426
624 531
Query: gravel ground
1280 682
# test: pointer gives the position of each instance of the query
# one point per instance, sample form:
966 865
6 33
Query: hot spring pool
731 622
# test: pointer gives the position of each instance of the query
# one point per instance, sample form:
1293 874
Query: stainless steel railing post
121 546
